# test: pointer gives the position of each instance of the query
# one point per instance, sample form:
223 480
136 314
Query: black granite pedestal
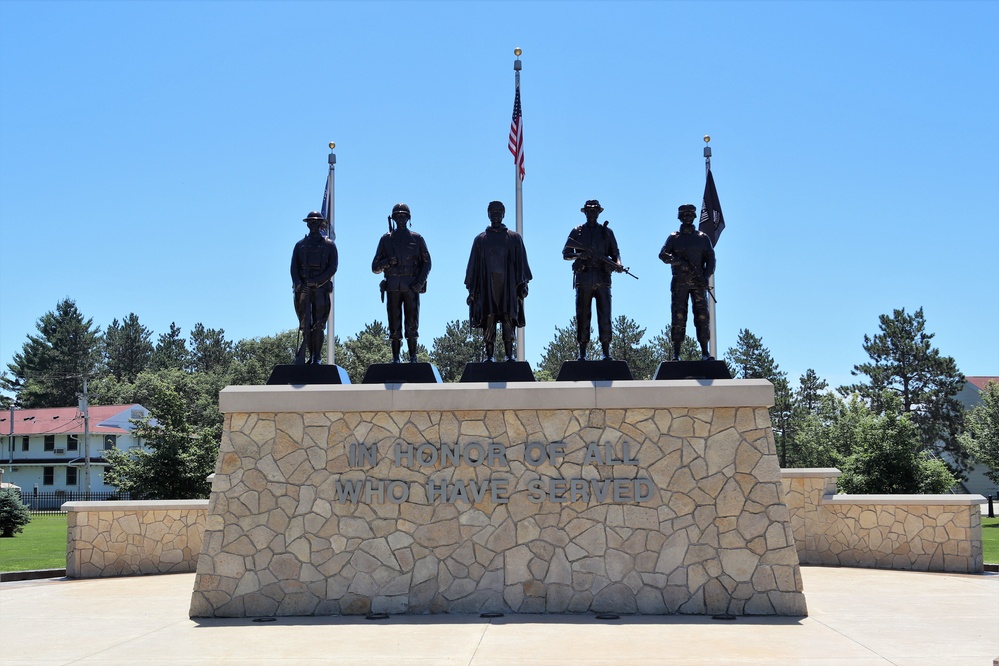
593 371
497 371
693 370
401 373
300 375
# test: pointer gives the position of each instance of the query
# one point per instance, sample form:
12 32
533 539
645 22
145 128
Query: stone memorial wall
625 497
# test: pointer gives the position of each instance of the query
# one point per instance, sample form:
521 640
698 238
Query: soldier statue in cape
496 279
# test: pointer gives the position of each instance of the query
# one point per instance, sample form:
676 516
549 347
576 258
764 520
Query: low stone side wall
914 532
133 538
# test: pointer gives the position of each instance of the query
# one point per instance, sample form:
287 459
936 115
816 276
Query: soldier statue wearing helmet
313 264
593 251
403 257
690 253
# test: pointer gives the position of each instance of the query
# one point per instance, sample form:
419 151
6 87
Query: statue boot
316 354
489 352
411 344
705 354
676 348
582 351
508 350
396 348
606 349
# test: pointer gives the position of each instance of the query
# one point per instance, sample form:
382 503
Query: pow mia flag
712 221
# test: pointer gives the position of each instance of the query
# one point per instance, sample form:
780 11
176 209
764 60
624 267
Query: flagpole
712 321
331 227
519 184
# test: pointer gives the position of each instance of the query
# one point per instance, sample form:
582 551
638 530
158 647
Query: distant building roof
104 419
982 382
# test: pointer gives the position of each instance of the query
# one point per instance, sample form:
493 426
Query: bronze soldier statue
403 256
592 249
496 279
692 257
313 264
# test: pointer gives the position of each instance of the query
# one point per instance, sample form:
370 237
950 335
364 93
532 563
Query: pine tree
562 348
904 364
170 351
49 370
662 347
627 346
369 346
210 351
459 345
810 390
751 360
127 349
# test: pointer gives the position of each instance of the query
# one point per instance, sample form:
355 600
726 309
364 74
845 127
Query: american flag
516 142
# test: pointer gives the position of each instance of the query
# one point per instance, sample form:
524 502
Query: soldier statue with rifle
403 256
313 264
690 253
592 249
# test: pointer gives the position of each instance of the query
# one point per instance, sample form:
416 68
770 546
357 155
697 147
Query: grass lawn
42 545
990 539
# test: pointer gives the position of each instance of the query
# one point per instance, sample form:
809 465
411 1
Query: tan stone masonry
636 497
918 532
130 538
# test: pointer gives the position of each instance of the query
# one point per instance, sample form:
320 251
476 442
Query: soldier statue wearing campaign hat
313 264
690 253
593 251
403 257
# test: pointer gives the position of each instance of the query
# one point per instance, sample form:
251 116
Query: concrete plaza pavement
856 616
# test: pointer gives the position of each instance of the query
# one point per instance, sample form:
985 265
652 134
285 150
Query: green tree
210 351
171 350
199 393
14 515
810 390
180 457
627 346
662 346
981 439
887 457
904 364
825 436
369 346
127 348
459 345
752 360
49 369
562 348
255 358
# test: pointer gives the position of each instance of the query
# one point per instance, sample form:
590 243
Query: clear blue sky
158 158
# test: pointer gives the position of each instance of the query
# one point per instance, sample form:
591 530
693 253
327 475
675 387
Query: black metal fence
51 502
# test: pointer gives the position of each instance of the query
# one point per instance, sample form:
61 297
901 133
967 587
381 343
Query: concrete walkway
857 616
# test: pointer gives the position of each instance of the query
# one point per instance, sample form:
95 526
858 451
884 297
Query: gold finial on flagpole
517 52
707 138
332 145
